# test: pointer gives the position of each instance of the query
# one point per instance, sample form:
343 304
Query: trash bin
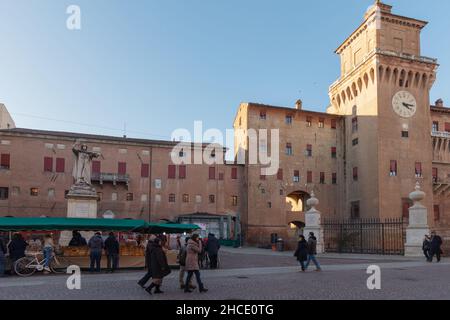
280 245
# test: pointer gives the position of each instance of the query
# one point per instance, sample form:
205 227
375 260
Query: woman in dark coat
302 252
159 266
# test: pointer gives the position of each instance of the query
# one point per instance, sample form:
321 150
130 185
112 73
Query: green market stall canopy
81 224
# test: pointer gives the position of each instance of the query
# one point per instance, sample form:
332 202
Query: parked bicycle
27 266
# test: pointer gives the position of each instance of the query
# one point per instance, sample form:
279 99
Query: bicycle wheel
59 264
25 266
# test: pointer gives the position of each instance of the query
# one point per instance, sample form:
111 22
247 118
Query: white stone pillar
418 225
313 223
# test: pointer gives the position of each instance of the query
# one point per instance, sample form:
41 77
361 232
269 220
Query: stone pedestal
313 223
418 225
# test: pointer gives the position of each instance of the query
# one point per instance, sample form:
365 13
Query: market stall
132 236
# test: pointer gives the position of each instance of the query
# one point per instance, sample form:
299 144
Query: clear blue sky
161 65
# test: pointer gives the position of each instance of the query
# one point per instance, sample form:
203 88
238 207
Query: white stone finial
313 201
417 195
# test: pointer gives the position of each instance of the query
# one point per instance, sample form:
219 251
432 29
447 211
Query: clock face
404 104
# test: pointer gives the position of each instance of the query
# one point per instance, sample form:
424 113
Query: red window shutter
393 166
309 177
405 209
437 213
48 164
234 173
435 173
355 173
262 177
447 127
322 176
171 171
418 168
60 165
182 172
5 161
96 167
309 147
333 123
212 173
308 119
122 168
280 174
145 170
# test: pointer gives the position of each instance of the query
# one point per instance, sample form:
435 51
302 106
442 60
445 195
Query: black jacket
78 241
212 246
2 246
312 246
148 251
160 267
436 243
112 245
17 249
302 251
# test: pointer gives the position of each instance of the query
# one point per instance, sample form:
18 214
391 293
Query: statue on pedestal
82 164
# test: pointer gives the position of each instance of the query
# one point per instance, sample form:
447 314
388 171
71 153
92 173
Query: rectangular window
355 142
34 192
309 150
233 173
333 152
4 193
212 198
171 171
322 178
185 198
5 161
280 174
130 196
393 168
289 149
212 173
355 214
435 175
48 164
321 123
122 168
447 127
289 120
418 170
405 134
182 172
96 167
333 124
262 115
172 198
60 165
437 212
145 170
334 178
262 177
234 201
435 126
355 174
354 125
114 196
309 122
296 176
309 177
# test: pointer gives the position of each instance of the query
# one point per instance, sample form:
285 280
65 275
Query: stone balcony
440 134
113 178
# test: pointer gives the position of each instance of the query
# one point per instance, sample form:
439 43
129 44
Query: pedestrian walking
160 267
2 257
48 250
426 247
112 250
16 248
182 261
148 263
302 252
194 248
212 249
96 245
435 247
312 252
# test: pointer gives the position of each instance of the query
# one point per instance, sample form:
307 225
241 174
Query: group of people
158 268
307 251
432 247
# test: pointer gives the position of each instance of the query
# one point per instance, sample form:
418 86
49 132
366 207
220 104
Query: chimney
439 103
299 104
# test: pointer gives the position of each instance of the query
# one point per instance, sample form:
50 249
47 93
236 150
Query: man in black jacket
212 248
112 252
435 247
2 256
148 262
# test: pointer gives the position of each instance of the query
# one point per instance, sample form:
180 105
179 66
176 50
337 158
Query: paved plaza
257 274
